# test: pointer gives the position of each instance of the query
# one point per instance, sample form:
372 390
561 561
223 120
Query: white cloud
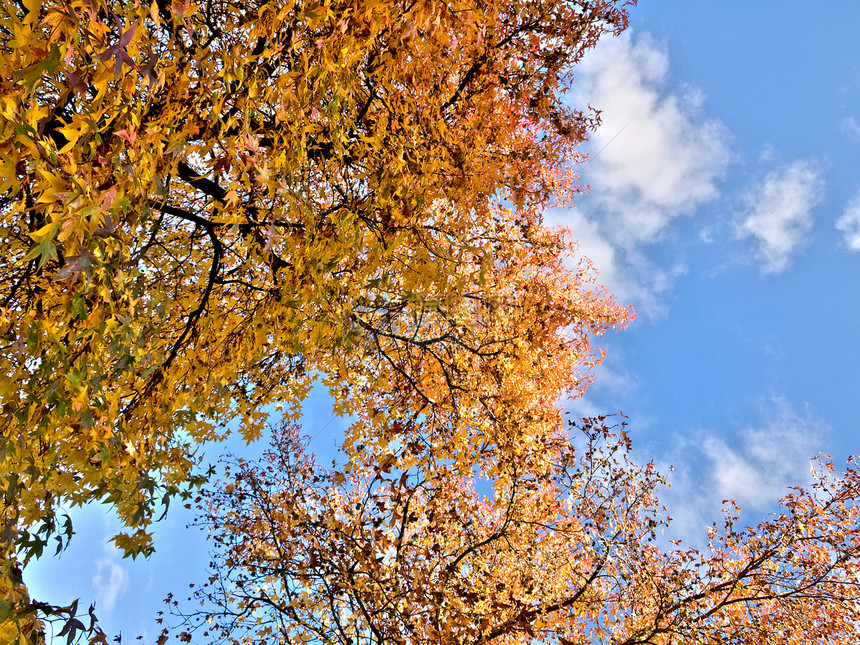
654 158
596 247
771 458
768 458
849 224
110 581
850 125
778 214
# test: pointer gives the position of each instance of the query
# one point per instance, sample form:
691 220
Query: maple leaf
118 50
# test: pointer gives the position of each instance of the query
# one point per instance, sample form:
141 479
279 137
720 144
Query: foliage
205 207
556 544
25 621
18 622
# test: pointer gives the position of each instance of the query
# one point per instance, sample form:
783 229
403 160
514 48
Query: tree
207 207
556 544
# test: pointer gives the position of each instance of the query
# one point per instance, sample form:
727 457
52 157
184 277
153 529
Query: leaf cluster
205 207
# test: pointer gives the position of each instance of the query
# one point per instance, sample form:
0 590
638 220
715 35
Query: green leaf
44 250
30 76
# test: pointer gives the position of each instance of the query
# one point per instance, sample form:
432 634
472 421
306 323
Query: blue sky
725 206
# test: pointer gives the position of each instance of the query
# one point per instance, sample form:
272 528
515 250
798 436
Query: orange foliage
556 544
204 207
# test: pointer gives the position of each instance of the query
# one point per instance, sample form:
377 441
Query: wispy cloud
849 224
654 158
770 456
110 580
778 215
850 125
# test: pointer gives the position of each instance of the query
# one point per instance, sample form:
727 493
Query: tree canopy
206 207
560 544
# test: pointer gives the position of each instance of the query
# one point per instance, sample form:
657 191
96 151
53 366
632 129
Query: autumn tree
205 207
557 544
